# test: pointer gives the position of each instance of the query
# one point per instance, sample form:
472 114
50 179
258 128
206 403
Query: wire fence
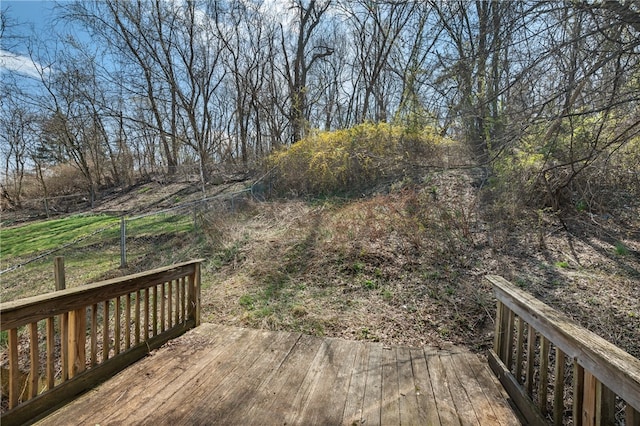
125 241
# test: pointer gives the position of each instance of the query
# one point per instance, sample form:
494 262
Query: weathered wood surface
227 375
31 309
614 368
68 370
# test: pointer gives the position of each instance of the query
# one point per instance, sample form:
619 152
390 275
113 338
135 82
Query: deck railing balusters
162 306
146 314
34 372
601 371
127 321
67 370
105 330
51 342
170 304
117 327
558 388
94 335
136 321
155 311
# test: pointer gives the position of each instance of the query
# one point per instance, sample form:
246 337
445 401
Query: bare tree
377 28
594 103
15 139
307 49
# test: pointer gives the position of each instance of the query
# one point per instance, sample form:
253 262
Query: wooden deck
227 375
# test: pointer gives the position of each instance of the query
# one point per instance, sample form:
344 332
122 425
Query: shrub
587 166
351 160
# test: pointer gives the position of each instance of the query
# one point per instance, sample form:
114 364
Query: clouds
10 62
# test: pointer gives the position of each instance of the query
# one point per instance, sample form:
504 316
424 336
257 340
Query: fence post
77 325
58 272
123 243
195 217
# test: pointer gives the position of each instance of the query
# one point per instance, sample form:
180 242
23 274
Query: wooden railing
556 371
61 344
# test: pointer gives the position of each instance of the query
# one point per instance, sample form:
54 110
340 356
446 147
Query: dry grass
390 268
401 266
406 267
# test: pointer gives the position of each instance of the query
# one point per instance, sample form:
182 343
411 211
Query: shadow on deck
216 374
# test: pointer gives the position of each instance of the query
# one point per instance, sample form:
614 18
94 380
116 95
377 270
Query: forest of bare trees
545 93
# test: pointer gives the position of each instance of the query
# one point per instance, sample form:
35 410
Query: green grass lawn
90 245
39 237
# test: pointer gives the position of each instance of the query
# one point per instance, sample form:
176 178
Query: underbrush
402 265
407 267
392 268
572 173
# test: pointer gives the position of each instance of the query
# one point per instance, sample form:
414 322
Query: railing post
503 337
77 339
194 295
497 335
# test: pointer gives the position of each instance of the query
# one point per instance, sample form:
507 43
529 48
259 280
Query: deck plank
187 377
478 400
463 405
227 375
212 387
390 406
373 387
409 409
441 388
279 398
427 407
241 386
352 413
493 390
149 391
331 388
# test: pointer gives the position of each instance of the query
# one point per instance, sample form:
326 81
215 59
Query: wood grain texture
70 307
25 311
610 365
217 374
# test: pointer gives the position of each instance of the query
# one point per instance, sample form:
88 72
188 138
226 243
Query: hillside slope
403 265
407 266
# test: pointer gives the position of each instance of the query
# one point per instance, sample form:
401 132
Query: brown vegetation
406 267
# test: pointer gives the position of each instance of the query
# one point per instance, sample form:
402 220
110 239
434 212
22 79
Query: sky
28 16
36 16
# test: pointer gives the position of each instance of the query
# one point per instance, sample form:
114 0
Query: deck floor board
228 375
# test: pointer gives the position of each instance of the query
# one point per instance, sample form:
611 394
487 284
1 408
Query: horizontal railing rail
61 344
556 371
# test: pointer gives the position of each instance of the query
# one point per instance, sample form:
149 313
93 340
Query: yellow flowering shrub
349 160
